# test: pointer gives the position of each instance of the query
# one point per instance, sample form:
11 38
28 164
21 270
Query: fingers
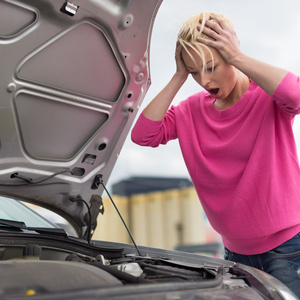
209 26
219 35
216 23
178 50
178 47
219 22
210 32
215 28
180 66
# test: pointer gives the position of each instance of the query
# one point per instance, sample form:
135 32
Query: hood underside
72 78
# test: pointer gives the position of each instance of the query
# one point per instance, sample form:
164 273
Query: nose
205 79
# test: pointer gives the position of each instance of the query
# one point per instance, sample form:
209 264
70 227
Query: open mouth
214 92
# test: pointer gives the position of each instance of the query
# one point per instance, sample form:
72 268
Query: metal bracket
69 9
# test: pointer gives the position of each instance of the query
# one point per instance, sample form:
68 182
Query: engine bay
54 267
47 264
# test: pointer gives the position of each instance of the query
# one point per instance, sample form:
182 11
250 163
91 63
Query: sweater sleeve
287 94
151 133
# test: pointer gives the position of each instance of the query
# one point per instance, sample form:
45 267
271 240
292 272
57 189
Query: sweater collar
230 112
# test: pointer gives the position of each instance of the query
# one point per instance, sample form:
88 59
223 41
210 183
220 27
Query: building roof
142 185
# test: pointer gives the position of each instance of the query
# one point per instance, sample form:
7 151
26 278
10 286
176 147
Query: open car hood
73 75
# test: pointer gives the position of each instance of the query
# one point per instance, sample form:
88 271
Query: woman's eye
194 73
211 69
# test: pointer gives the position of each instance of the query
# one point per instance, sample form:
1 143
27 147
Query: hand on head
220 36
180 66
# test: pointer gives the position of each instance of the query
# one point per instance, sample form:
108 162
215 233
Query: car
73 76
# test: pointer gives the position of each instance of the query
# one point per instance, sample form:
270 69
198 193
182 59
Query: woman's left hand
224 39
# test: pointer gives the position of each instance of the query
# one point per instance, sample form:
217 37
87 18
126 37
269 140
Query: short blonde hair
188 34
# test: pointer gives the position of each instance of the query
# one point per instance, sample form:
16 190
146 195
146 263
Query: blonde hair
189 32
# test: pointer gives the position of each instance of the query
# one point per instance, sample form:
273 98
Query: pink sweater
242 161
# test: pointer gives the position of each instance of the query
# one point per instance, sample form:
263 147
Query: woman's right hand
181 70
158 107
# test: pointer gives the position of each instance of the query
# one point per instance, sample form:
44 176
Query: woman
237 142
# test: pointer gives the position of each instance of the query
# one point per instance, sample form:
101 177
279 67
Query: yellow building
160 212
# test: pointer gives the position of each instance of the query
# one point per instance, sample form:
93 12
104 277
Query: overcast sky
268 30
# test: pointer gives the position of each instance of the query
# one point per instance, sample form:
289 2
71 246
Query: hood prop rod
116 208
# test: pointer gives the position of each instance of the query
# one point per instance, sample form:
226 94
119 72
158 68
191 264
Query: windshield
14 210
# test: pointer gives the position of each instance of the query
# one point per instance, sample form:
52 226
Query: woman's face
218 77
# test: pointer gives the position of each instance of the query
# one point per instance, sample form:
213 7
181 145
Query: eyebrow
191 68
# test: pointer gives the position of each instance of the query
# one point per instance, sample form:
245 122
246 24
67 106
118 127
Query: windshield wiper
41 230
13 224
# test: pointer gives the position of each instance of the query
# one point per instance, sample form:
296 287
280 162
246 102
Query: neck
241 86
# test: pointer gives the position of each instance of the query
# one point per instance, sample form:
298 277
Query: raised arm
158 107
268 77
